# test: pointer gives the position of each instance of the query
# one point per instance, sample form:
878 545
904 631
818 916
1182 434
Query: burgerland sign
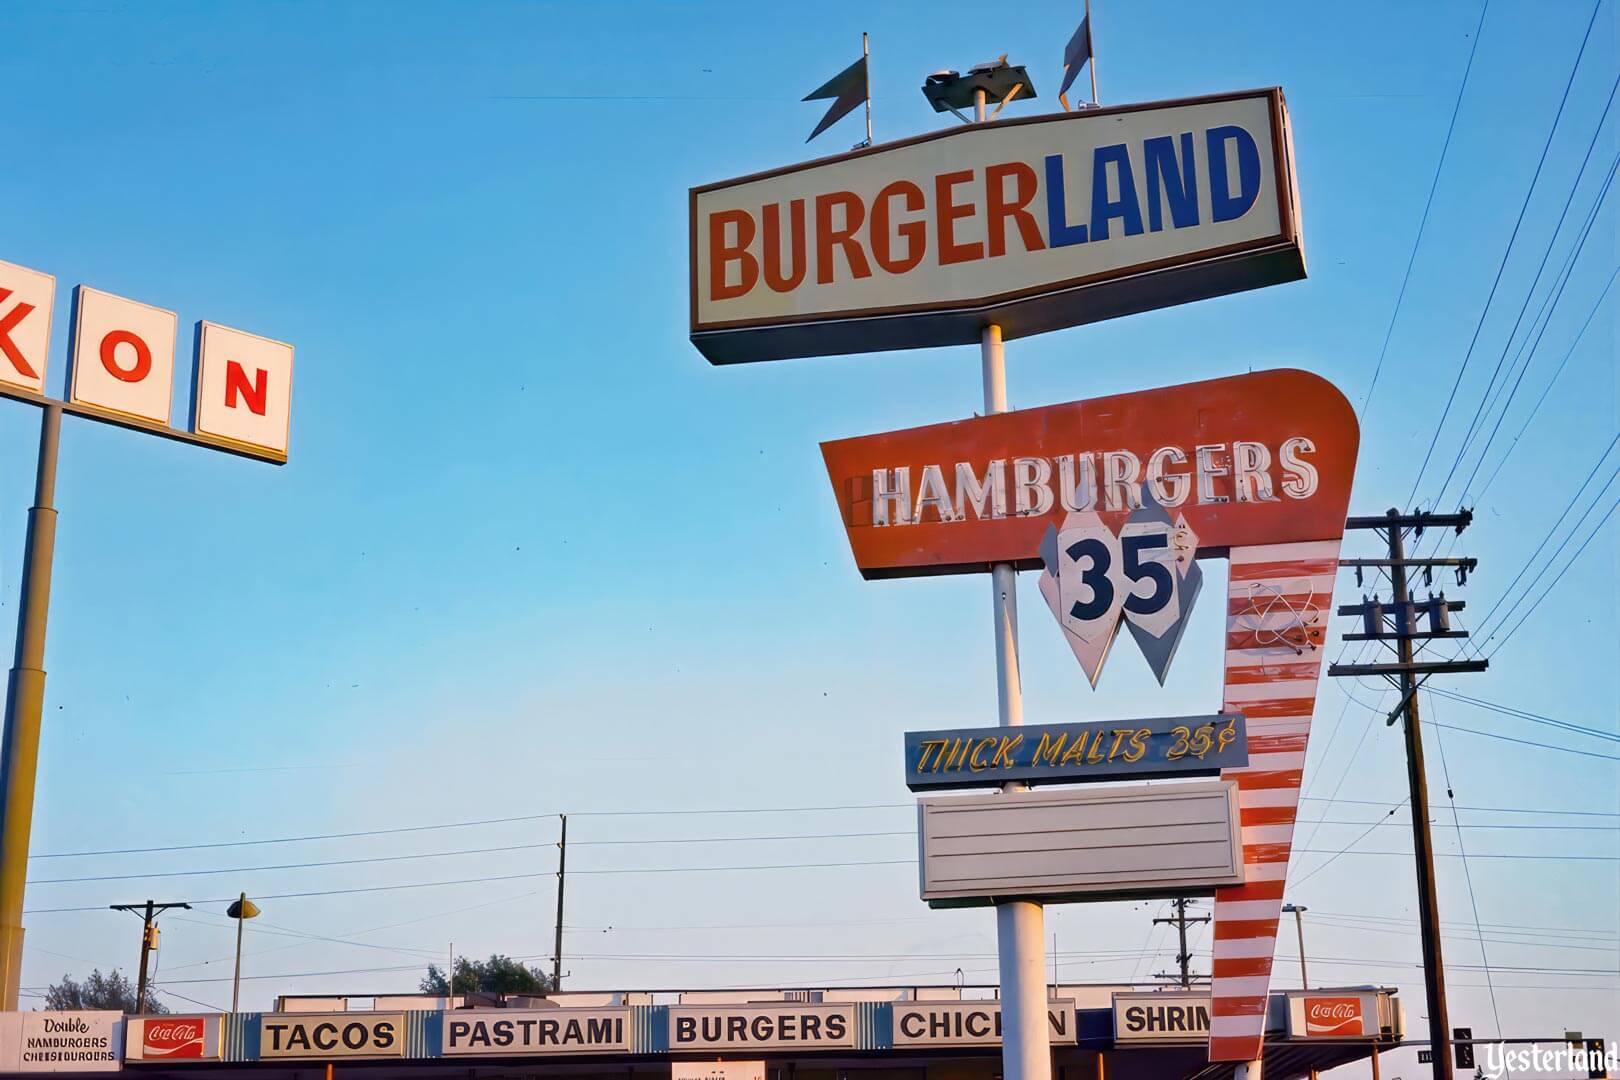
1032 224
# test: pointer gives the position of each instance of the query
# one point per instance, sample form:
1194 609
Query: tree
497 975
111 991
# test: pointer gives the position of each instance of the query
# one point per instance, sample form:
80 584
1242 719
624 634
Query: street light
1304 983
241 910
1299 927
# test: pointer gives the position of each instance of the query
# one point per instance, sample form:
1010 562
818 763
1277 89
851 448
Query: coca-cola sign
1329 1017
174 1038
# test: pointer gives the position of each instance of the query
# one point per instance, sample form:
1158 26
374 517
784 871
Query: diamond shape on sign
1049 551
1160 650
1091 585
1150 602
1091 652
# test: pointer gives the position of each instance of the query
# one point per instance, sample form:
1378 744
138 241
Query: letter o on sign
140 369
123 355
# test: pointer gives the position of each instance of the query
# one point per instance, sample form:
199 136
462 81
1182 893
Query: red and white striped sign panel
1278 599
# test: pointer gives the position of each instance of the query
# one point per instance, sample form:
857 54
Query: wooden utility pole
149 934
562 871
1184 957
1396 625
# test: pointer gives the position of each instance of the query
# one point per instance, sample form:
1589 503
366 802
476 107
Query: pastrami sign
1032 224
1264 458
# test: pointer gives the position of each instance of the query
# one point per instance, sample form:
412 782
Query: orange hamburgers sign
1251 459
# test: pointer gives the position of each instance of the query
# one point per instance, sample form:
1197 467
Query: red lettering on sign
722 254
109 356
949 211
914 232
8 323
998 208
236 383
843 236
773 246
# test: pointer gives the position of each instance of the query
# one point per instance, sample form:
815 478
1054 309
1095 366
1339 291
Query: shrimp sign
1033 224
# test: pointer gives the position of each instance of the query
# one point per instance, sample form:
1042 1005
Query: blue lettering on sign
1225 206
1177 181
1102 207
1057 211
1172 184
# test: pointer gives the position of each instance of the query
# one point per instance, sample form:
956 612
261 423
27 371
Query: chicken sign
1113 501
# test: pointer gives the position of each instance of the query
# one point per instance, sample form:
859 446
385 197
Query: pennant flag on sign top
1075 54
847 89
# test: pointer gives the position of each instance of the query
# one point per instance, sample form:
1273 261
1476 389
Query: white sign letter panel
244 387
26 297
123 355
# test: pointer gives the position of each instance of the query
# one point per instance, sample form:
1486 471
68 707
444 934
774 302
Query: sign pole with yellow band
122 359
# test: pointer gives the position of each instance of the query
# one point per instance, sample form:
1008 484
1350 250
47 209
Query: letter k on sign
26 298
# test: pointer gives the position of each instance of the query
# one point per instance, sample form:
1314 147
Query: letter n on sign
244 387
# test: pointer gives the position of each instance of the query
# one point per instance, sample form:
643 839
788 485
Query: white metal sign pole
1026 1052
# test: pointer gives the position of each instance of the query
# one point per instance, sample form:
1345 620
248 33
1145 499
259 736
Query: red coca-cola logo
1333 1016
173 1039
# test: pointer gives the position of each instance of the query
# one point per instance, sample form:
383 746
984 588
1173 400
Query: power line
291 839
456 852
745 839
1584 946
1481 809
1405 921
1476 825
1509 738
522 877
1501 266
1344 850
1554 297
1428 204
1522 714
1515 855
288 866
1468 875
1535 409
469 824
1560 576
1552 239
1551 532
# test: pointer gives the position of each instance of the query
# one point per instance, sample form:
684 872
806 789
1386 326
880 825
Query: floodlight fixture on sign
998 81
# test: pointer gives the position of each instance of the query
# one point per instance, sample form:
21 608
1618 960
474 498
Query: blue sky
532 554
